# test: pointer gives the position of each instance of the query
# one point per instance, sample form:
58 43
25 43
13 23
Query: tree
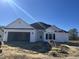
73 34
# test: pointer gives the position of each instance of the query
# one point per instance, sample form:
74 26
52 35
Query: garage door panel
19 36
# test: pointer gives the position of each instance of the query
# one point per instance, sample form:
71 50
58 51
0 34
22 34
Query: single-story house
19 30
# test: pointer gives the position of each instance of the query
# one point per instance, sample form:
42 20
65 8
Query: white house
19 30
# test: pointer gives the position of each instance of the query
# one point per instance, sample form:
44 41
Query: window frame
50 36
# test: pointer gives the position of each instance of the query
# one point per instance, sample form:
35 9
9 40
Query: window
54 36
50 36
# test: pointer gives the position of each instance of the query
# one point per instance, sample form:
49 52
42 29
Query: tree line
73 34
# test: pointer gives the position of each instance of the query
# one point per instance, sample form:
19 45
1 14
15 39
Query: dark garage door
19 36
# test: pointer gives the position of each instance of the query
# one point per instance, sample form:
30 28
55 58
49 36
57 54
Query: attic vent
19 22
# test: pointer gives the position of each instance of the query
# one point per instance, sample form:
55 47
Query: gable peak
19 19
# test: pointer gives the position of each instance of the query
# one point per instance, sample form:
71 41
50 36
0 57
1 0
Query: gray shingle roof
40 25
43 26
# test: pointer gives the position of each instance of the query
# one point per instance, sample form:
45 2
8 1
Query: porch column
5 36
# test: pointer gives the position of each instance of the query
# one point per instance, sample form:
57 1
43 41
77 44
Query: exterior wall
59 36
62 37
32 34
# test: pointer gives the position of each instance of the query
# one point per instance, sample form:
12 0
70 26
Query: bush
56 49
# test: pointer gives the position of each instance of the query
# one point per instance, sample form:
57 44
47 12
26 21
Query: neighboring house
19 30
1 33
78 34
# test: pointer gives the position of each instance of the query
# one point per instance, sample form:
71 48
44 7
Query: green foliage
73 34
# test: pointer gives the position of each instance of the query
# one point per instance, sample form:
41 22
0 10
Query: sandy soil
18 53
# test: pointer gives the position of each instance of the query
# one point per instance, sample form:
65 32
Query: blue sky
62 13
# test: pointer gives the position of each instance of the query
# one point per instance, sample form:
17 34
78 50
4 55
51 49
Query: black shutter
46 36
54 36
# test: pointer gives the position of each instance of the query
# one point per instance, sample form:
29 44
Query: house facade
19 30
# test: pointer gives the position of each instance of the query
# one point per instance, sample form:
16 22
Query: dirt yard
18 53
10 52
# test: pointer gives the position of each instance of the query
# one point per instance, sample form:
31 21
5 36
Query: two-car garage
19 36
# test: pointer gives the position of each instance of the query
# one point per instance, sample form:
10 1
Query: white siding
19 24
62 37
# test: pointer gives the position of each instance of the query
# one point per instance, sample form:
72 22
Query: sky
62 13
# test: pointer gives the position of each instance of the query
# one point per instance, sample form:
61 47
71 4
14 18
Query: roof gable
56 29
19 23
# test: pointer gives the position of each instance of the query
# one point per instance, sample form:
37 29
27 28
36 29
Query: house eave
61 31
21 28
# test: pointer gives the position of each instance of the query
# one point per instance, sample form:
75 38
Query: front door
40 35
